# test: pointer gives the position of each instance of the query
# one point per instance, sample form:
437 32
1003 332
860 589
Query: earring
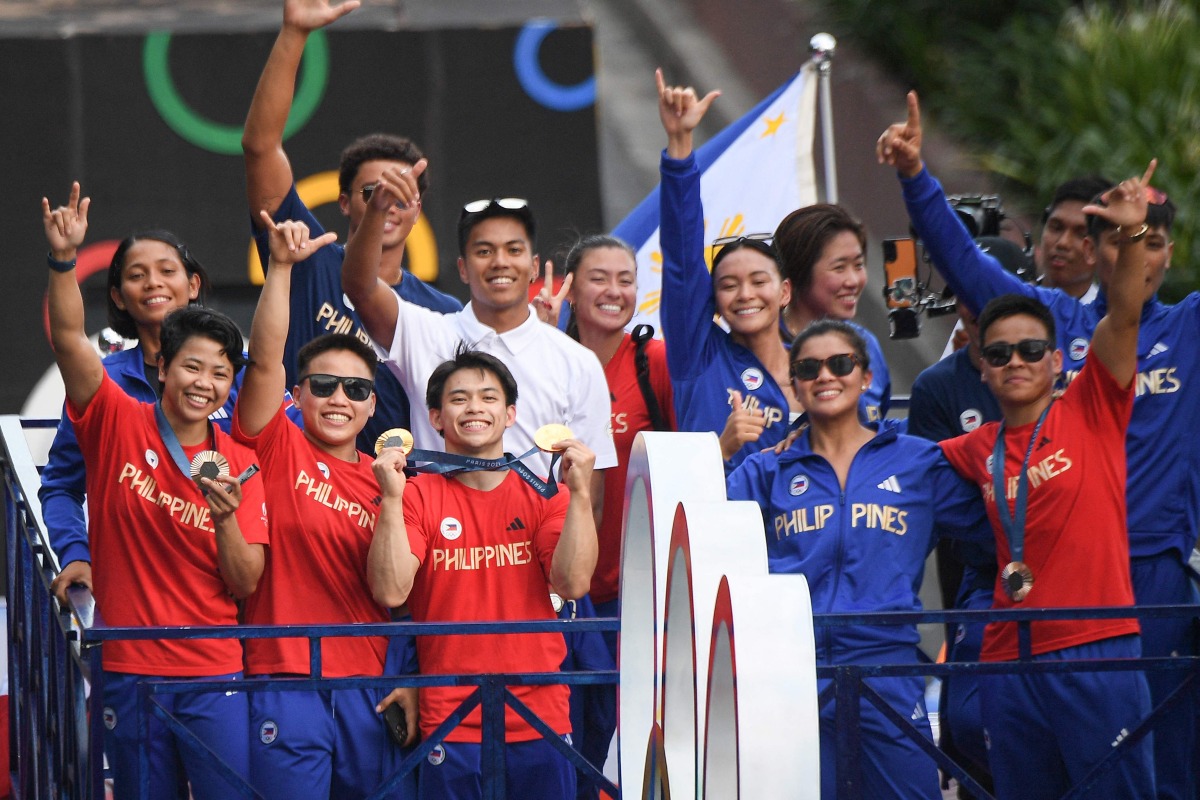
864 387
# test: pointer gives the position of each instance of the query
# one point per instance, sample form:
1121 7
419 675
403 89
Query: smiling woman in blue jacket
853 509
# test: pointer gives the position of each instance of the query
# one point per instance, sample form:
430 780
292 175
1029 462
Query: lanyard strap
437 462
1014 524
172 441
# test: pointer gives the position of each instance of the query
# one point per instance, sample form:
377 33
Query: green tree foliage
1044 91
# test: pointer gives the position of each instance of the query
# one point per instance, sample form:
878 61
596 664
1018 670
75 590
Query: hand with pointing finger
548 303
742 425
900 145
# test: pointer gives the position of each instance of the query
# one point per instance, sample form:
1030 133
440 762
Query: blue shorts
533 771
893 765
1046 731
217 718
1163 580
326 744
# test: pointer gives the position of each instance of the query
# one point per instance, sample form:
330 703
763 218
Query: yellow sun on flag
731 226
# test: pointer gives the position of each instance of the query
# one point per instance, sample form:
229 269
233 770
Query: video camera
907 296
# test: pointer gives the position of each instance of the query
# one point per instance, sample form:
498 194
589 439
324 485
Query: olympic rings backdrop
150 123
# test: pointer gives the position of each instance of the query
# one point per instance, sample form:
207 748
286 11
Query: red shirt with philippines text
154 547
485 556
1076 539
323 514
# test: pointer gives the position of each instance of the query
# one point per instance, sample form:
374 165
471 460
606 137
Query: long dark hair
119 319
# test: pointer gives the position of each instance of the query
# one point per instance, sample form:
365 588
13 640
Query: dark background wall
80 108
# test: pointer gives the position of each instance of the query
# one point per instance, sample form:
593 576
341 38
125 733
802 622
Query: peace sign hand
548 303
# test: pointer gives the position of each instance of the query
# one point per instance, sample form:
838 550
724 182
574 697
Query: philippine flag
753 174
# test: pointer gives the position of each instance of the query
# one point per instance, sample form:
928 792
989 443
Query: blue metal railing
52 652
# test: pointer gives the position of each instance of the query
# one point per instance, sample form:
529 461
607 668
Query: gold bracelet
1137 235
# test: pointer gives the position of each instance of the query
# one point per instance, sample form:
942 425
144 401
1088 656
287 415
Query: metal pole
822 47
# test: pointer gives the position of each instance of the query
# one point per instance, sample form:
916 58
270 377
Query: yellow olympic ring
321 189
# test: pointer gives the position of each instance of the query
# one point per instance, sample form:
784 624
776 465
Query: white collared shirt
558 379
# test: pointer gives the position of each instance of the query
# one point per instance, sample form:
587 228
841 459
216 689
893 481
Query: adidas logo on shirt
1158 349
516 525
890 485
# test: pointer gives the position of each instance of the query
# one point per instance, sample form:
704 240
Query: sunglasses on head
479 206
1000 353
357 389
807 369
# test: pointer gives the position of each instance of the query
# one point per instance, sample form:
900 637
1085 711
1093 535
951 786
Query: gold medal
208 464
394 437
1017 580
549 435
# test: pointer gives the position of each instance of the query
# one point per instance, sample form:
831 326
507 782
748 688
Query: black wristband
59 266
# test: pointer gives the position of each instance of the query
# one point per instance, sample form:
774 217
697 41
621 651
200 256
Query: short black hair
186 323
839 328
119 319
466 358
335 341
1082 189
469 219
1012 305
379 147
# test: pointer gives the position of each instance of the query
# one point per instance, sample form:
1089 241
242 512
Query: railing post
491 754
847 696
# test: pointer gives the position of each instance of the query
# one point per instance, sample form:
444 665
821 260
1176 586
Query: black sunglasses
1000 353
807 369
367 191
479 206
357 389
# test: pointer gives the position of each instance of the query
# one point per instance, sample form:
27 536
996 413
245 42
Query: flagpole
822 47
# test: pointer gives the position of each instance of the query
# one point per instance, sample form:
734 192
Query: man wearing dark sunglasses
1052 476
317 303
324 499
561 380
1162 483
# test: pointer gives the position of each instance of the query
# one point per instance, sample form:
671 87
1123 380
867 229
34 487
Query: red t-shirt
1076 540
629 417
323 514
485 556
154 548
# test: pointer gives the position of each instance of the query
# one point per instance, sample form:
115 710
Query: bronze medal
394 437
1017 580
208 464
549 435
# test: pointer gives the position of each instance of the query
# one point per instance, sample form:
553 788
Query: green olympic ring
213 136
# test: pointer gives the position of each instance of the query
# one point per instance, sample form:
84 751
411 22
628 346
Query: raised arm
268 173
391 565
973 275
372 298
687 296
78 361
264 382
575 555
1115 340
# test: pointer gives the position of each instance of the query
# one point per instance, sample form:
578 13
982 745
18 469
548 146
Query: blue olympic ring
534 81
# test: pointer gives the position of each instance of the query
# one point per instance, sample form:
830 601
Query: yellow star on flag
773 125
